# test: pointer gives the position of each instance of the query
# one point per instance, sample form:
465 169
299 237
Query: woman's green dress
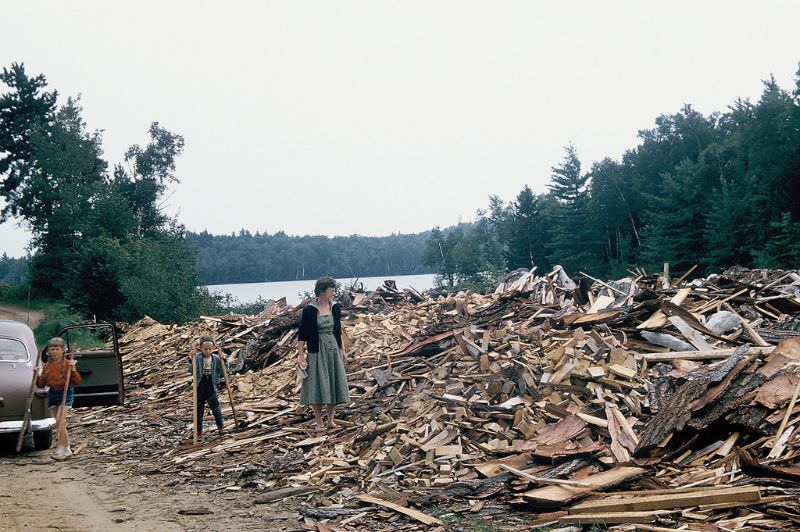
326 383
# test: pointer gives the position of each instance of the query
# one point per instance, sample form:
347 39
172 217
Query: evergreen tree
574 242
526 245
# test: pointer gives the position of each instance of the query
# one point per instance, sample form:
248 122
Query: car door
96 349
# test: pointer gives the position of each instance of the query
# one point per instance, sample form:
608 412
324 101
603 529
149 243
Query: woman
321 335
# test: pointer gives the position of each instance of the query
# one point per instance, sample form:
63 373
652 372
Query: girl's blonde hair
56 341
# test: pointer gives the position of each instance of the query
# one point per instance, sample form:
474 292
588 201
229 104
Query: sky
375 117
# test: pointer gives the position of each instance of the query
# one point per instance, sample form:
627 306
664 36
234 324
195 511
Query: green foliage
160 279
711 190
56 316
783 249
102 243
13 292
13 271
527 235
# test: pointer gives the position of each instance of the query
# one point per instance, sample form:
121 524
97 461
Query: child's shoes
58 454
67 452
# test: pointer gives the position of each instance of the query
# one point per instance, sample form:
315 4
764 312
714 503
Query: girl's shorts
54 397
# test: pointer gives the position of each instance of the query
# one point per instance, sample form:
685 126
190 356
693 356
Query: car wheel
42 439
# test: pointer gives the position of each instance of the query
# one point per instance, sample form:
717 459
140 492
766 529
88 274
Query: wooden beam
557 496
714 354
610 518
745 494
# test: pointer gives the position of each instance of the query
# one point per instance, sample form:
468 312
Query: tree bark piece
677 412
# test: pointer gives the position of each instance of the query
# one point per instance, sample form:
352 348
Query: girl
321 332
209 372
54 374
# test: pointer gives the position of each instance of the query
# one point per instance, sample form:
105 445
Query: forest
711 191
706 190
246 257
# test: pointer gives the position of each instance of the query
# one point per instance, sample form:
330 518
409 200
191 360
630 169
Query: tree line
247 257
713 190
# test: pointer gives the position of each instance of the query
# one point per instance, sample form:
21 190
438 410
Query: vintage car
93 345
17 357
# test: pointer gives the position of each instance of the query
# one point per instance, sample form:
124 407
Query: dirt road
38 493
17 313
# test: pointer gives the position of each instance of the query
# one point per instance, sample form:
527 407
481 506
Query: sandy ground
17 313
81 494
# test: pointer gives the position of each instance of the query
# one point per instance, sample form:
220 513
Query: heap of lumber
541 397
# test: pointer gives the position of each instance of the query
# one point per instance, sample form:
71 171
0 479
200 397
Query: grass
454 521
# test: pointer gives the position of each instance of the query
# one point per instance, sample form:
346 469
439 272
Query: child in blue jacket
209 373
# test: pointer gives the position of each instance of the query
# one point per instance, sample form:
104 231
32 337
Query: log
558 496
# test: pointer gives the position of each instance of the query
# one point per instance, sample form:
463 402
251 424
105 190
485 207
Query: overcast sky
373 117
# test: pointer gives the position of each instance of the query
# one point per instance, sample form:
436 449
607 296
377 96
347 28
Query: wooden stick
712 303
598 281
228 387
541 480
684 276
788 412
61 417
701 355
194 398
26 420
746 326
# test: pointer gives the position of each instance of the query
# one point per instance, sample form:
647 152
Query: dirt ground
17 313
86 493
81 494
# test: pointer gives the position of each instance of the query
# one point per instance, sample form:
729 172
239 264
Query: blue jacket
216 368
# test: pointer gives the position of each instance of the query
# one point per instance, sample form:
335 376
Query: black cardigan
309 332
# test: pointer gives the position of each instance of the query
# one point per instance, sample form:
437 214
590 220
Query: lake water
249 292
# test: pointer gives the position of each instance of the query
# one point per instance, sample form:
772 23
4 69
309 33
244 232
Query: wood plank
714 354
410 512
659 319
557 496
611 518
694 337
746 494
542 480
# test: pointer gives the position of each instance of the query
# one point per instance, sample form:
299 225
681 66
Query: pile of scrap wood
641 400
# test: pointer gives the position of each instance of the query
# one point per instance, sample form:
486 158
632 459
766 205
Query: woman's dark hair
323 283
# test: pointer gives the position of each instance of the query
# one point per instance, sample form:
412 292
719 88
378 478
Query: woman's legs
331 411
317 408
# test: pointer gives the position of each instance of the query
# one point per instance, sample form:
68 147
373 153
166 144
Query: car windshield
12 350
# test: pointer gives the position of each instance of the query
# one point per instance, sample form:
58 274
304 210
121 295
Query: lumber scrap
743 495
410 512
559 496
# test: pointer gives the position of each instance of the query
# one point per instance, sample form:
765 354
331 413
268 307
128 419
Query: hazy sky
372 117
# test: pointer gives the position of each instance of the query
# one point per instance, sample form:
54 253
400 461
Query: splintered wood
534 398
